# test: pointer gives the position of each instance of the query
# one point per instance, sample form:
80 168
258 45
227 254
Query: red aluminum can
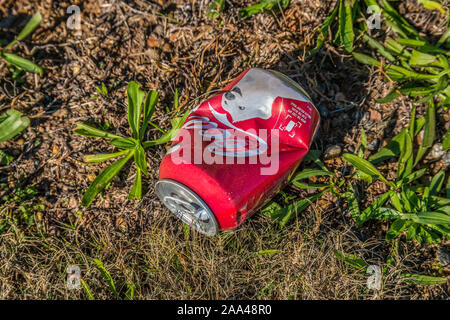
236 150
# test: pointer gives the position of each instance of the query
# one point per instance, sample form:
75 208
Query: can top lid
187 205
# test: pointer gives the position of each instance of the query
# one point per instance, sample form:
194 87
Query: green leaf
107 276
412 176
351 259
446 141
363 146
22 63
353 205
365 166
365 59
103 179
420 59
89 131
432 5
391 96
87 290
405 163
432 217
135 98
379 47
283 215
267 252
393 147
307 173
149 110
30 26
346 24
263 5
372 210
11 124
5 159
136 189
423 280
396 48
215 8
314 156
100 157
323 31
177 123
397 227
436 183
429 131
393 16
139 158
124 143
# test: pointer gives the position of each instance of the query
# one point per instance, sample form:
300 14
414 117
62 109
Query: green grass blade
372 210
22 63
365 59
124 143
365 166
100 157
102 180
149 109
307 173
136 189
323 31
378 46
89 131
429 131
87 290
436 183
107 276
423 280
177 123
351 260
30 26
346 24
135 98
446 141
352 202
12 123
139 158
432 217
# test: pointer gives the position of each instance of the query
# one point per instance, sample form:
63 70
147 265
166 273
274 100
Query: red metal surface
234 191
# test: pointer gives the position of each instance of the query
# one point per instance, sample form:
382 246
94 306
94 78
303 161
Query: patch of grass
131 147
264 6
19 208
416 209
18 64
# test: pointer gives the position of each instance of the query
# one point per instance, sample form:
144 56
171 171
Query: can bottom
187 205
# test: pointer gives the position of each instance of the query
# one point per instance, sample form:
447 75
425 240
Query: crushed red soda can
236 150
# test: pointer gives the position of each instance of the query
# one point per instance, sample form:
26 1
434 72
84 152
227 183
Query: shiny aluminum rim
187 205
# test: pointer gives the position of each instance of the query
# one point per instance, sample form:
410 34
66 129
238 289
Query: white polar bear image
252 97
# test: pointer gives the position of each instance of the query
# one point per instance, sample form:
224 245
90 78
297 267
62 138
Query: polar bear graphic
252 97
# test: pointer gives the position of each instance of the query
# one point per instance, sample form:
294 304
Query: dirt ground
140 242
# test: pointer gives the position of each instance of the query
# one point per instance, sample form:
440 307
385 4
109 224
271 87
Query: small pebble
443 257
332 152
339 97
323 111
446 158
375 115
373 145
436 152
